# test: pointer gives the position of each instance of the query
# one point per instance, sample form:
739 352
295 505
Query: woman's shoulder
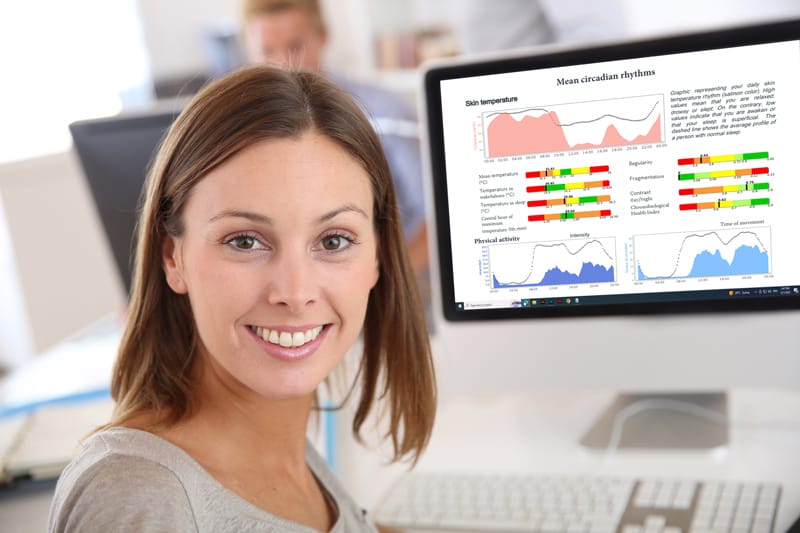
123 480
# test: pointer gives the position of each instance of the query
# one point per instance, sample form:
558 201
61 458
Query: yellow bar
730 188
575 186
722 173
580 170
726 204
572 201
721 158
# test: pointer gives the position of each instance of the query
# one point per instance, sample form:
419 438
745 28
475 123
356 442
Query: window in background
64 61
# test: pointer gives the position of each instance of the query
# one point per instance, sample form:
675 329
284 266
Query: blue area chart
747 260
538 264
590 273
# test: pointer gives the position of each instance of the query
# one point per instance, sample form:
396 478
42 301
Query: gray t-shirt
130 480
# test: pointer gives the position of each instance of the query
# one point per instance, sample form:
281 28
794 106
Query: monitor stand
659 421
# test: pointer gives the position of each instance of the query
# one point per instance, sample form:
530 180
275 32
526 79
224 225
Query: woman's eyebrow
343 209
236 213
263 219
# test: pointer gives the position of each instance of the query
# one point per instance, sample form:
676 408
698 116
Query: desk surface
536 433
539 433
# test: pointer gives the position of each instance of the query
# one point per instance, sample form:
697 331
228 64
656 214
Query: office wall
649 17
62 264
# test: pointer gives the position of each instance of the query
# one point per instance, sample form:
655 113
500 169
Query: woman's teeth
287 339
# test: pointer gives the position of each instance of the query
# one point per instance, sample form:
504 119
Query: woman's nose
291 280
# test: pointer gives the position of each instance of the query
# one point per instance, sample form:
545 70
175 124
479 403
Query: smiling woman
269 239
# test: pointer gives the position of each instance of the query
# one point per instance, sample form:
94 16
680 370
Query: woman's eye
332 242
244 242
335 242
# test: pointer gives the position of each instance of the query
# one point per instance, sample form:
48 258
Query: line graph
565 262
578 125
701 254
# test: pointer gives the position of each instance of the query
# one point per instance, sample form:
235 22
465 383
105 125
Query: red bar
606 183
762 170
685 192
535 218
602 168
688 207
533 174
687 161
605 213
537 203
536 188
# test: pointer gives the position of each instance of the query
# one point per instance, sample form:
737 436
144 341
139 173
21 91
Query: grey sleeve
123 494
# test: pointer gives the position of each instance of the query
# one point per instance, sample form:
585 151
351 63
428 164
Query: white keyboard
575 505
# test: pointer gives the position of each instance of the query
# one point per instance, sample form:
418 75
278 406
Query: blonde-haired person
269 240
293 34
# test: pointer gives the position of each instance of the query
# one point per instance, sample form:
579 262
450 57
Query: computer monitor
622 216
115 154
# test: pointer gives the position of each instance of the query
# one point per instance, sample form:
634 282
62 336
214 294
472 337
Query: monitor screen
115 154
620 216
652 176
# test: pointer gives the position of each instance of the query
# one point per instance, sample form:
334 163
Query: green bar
587 199
564 171
556 187
742 203
760 186
755 155
684 177
567 215
760 201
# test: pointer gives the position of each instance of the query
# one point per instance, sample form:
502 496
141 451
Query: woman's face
277 258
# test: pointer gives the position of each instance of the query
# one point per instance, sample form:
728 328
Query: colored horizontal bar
723 158
723 173
725 188
570 201
565 171
570 215
568 186
723 204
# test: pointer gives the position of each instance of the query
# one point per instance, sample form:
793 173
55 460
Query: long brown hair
152 371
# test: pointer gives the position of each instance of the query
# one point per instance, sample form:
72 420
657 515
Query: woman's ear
172 264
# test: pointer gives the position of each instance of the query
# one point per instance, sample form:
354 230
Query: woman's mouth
287 339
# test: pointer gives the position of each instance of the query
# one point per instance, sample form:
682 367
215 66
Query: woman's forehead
306 176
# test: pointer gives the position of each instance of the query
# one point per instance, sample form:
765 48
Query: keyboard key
578 505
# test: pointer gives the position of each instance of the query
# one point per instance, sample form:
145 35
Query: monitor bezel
560 57
83 132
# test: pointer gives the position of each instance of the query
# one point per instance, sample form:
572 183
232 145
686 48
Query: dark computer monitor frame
116 153
700 301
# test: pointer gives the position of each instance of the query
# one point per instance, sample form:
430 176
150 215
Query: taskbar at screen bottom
715 295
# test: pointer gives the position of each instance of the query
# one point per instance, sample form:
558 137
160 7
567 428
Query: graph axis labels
574 126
